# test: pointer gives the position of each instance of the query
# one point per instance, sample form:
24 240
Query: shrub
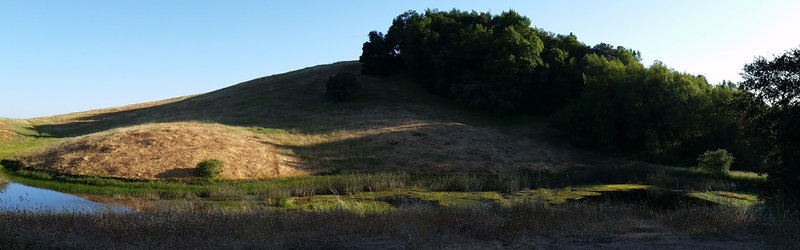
717 162
342 87
209 169
282 201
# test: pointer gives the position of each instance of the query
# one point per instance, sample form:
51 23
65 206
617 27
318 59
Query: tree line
601 96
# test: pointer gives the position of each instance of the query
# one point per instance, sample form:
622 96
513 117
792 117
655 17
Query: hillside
282 125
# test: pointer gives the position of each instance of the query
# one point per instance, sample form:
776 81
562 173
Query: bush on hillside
717 162
209 169
342 87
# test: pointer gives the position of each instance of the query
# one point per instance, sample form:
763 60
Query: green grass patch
106 186
747 176
612 187
338 202
274 131
10 149
729 198
553 196
458 199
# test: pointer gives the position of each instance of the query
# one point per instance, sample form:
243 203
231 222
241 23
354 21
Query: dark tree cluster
600 96
494 63
604 97
770 119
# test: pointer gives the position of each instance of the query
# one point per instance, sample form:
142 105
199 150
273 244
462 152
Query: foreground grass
524 225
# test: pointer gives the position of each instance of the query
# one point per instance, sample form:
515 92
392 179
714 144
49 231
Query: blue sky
66 56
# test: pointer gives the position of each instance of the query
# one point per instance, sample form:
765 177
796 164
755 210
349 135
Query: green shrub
717 162
342 87
209 169
282 201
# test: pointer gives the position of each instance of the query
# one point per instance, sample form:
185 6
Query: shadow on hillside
434 148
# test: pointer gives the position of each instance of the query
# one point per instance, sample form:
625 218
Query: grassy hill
282 125
436 171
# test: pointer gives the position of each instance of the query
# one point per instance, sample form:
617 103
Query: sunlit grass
450 199
729 198
467 199
612 187
738 196
554 196
21 137
10 149
338 202
261 130
746 175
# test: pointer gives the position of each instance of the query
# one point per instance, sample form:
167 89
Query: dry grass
6 130
394 126
13 129
531 225
169 150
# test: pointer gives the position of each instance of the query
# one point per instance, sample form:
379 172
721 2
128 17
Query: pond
15 197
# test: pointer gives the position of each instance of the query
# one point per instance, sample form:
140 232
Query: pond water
17 197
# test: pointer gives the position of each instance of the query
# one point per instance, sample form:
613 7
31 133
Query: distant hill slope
282 125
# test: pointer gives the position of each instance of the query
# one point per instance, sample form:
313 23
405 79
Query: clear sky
66 56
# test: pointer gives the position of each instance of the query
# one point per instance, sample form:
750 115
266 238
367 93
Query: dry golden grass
5 133
168 150
394 126
11 129
171 150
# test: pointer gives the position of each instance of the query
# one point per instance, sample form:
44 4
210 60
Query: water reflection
18 197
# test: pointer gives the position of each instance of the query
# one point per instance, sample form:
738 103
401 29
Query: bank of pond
660 188
16 197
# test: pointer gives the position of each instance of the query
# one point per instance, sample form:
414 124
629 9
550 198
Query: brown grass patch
6 135
169 150
7 130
